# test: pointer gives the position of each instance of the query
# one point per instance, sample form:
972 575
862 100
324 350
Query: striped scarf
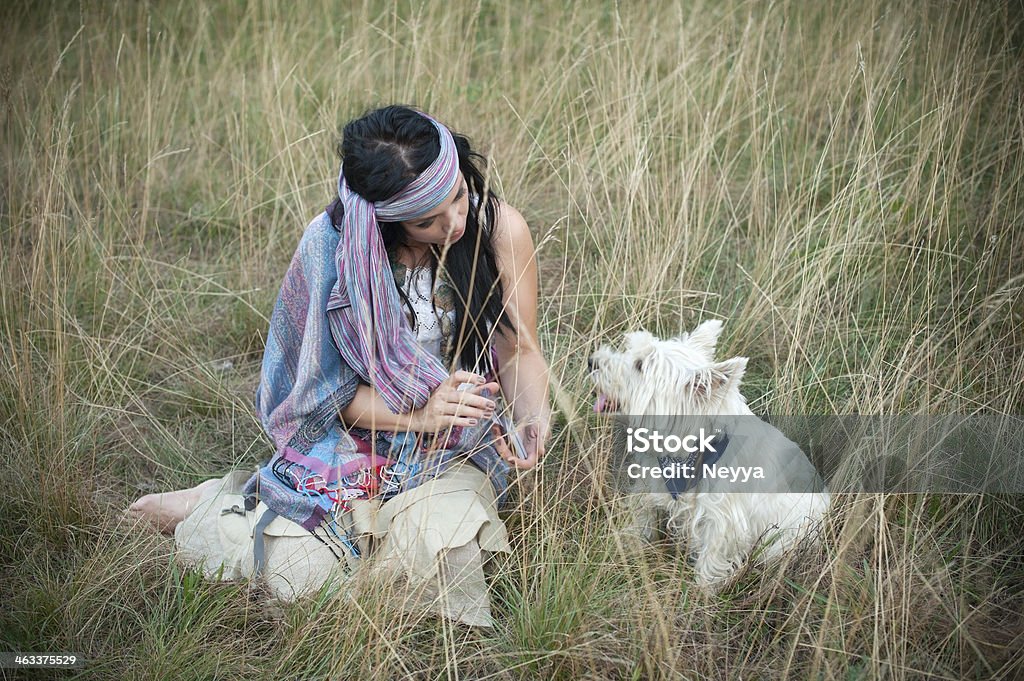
364 310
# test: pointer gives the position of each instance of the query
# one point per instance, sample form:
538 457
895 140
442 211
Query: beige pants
436 536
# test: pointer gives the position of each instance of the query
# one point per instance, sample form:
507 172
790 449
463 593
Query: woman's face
444 224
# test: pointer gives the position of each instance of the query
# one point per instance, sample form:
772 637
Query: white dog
679 378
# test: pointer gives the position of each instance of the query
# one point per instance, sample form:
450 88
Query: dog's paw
713 583
712 587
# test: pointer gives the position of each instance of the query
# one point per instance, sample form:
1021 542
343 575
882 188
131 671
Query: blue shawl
320 464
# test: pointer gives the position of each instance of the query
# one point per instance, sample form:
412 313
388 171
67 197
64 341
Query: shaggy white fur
680 378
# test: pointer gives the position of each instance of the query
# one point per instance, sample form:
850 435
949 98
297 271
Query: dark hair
385 150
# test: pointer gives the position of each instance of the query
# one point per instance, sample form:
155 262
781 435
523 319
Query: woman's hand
522 370
450 407
535 438
534 435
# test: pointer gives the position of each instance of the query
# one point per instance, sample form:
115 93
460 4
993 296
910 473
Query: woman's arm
368 410
522 369
447 406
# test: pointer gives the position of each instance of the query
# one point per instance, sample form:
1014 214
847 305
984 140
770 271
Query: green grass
841 181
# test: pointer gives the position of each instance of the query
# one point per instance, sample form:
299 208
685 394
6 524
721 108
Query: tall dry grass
841 181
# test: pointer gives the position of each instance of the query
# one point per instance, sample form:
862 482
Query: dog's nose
591 364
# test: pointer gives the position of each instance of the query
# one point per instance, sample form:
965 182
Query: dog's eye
638 365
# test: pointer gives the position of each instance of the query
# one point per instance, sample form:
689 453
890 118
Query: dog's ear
705 336
640 340
719 378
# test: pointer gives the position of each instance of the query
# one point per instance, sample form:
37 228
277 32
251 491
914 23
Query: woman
405 325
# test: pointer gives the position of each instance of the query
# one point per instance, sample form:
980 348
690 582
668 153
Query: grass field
842 181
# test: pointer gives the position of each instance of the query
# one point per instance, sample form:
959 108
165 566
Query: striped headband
424 193
372 333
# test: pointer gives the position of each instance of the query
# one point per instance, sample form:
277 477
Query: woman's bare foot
165 510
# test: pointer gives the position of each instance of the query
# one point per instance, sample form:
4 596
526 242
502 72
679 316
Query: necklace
421 298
